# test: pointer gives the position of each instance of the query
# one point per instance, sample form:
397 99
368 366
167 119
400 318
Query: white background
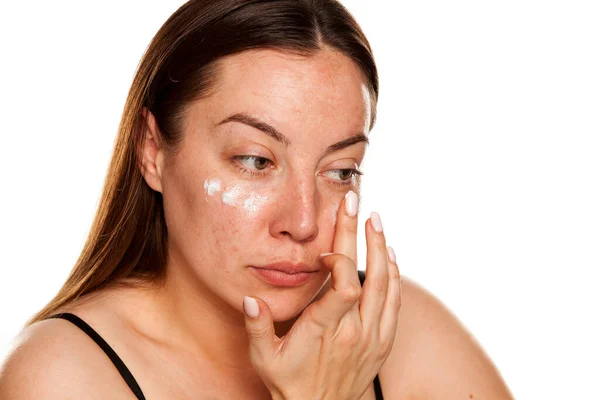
484 162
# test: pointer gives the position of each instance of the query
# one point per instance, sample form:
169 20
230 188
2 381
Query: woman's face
256 180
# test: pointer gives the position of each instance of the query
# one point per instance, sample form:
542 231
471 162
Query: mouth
285 274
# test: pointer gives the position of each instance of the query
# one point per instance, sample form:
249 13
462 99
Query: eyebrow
249 120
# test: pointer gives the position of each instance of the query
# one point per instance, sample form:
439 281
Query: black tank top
124 371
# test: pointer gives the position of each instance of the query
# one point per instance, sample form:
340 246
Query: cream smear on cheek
235 195
254 202
240 196
212 186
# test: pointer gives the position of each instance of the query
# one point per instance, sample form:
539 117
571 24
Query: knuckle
258 333
339 260
350 294
344 260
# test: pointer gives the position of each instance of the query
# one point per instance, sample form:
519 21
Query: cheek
203 215
331 213
329 221
235 209
210 213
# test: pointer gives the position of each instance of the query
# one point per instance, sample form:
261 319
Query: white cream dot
211 186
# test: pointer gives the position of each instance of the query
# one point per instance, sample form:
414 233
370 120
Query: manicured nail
251 307
391 254
351 203
325 254
376 222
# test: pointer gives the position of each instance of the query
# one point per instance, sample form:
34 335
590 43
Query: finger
376 282
260 329
344 241
344 293
393 302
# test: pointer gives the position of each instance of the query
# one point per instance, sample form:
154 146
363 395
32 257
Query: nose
297 212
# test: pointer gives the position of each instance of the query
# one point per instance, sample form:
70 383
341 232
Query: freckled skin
315 102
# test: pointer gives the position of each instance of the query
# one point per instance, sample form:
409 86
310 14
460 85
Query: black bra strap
377 387
116 360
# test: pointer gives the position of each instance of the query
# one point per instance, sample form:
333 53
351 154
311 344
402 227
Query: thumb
259 325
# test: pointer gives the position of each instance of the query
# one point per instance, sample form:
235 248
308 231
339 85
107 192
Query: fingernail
351 203
251 307
391 254
325 254
376 222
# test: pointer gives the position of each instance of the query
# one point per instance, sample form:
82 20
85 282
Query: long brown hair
128 237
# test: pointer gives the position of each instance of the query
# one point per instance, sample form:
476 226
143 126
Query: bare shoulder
434 356
53 359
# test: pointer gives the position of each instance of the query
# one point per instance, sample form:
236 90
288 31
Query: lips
287 267
285 273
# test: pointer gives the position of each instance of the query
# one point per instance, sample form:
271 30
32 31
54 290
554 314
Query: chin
286 307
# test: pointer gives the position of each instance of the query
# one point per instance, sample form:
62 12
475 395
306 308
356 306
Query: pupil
346 173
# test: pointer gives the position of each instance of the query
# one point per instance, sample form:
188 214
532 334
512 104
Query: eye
343 177
256 162
253 165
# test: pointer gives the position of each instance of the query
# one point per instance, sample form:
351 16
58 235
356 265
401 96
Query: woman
222 259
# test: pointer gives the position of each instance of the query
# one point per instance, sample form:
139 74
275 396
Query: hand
339 343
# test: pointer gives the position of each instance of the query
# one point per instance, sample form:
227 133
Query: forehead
292 91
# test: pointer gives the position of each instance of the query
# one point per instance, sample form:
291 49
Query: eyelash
245 170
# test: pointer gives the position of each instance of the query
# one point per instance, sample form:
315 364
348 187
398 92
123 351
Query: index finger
344 240
343 296
346 227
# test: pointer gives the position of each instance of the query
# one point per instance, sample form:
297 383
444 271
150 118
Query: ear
152 151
